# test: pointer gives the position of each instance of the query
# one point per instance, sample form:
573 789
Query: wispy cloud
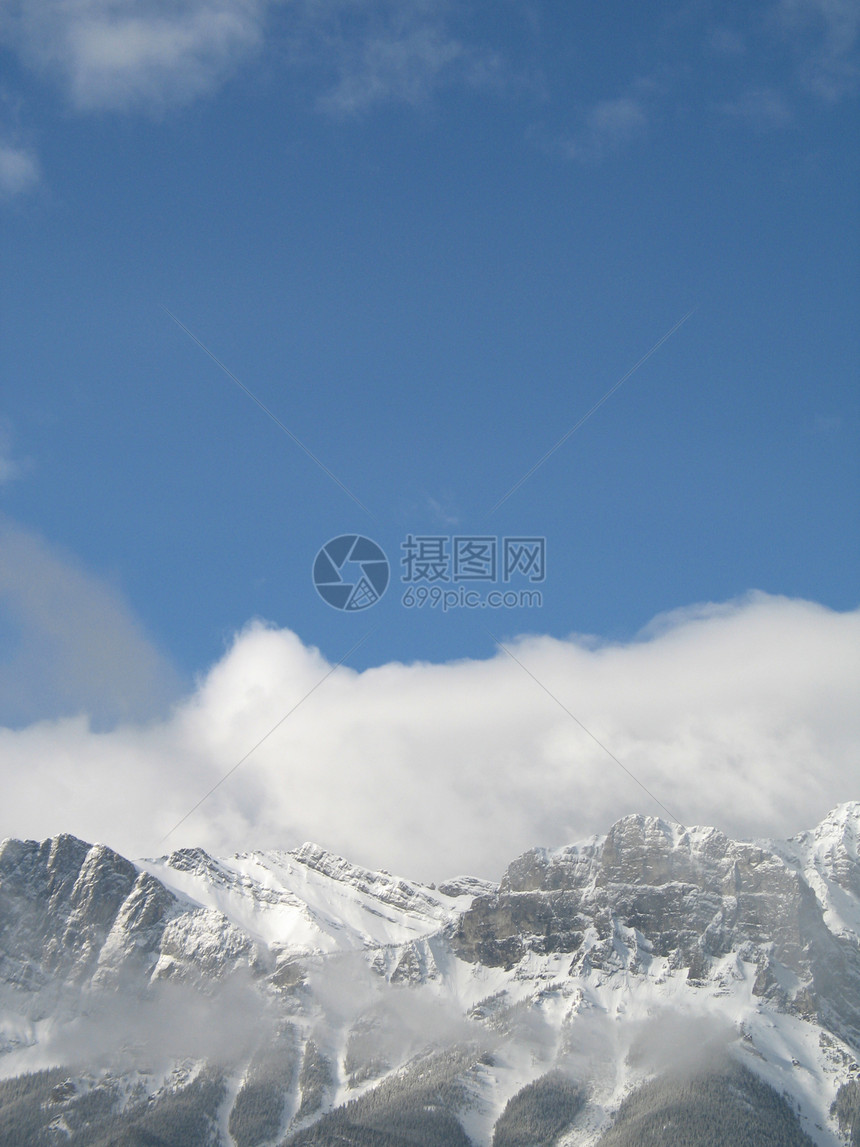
19 172
607 128
11 467
441 512
383 51
386 67
825 35
8 466
109 54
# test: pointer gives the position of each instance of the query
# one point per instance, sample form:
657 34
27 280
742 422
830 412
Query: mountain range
654 985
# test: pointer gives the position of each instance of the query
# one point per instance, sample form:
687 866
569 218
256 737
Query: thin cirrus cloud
825 35
741 715
19 173
608 127
392 64
391 52
10 468
359 54
108 55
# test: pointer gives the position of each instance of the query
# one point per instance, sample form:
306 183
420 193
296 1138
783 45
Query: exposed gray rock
648 890
58 902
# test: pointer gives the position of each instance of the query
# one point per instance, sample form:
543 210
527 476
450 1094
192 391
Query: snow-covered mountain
639 987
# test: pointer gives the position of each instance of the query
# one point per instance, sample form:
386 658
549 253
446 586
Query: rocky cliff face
82 915
59 901
649 890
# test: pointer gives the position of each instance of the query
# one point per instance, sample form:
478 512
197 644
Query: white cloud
608 127
381 51
111 54
19 172
741 715
825 34
71 644
393 65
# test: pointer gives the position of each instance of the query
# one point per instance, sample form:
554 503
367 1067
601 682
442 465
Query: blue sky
428 237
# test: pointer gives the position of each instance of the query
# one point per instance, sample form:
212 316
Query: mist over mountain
657 984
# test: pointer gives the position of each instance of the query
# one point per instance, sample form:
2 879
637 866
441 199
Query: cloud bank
68 641
740 715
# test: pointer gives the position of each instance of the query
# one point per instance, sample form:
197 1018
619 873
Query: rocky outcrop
58 903
649 890
75 915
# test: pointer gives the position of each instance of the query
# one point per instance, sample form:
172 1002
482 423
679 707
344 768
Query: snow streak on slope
829 858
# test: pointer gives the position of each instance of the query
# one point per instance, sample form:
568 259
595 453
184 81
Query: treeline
22 1120
315 1081
846 1108
728 1106
406 1127
415 1108
43 1109
725 1107
540 1112
363 1060
186 1118
259 1111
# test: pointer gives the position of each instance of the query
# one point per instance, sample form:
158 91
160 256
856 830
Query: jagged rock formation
649 890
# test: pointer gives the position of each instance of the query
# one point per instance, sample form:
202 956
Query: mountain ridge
351 976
